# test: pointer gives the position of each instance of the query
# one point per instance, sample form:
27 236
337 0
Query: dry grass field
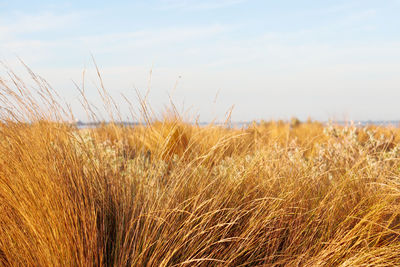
170 193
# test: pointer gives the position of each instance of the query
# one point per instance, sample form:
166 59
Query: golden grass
169 193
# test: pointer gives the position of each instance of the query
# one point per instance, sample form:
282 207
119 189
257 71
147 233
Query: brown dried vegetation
169 193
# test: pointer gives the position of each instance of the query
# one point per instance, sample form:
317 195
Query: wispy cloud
151 37
26 23
152 42
23 34
24 31
362 15
199 4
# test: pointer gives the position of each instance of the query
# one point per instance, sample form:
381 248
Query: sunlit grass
170 193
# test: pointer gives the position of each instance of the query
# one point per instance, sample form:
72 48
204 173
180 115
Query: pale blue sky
271 59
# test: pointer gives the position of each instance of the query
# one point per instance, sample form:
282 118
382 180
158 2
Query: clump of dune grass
171 193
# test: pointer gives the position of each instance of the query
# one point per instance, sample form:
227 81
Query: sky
332 59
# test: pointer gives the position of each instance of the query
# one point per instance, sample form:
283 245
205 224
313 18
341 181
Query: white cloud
18 31
13 42
199 4
31 37
151 37
25 23
361 15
